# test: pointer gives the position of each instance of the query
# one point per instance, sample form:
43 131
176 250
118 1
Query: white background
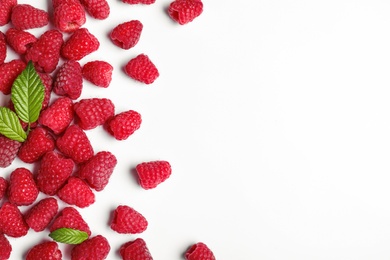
275 118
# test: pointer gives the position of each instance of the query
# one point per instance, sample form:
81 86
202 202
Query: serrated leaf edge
69 236
10 125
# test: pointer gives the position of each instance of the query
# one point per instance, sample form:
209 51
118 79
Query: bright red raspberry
20 41
93 248
126 35
127 220
69 81
68 15
6 10
3 188
98 170
151 174
53 172
41 214
76 192
3 48
58 115
98 9
141 68
38 142
93 112
44 250
69 217
22 190
124 124
199 251
5 248
185 11
9 71
25 16
8 151
144 2
135 249
11 221
47 81
98 72
80 44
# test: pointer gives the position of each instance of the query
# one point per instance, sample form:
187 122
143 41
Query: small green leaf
27 94
10 125
68 236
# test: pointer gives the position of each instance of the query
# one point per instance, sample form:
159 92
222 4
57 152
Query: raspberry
58 115
8 151
20 41
97 170
185 11
124 124
126 35
93 248
11 221
25 16
6 10
69 217
133 2
3 188
48 84
9 72
44 250
135 249
92 112
68 15
199 251
41 214
38 142
5 248
69 81
142 69
53 172
76 192
75 144
98 72
127 220
80 44
151 174
98 9
22 190
3 48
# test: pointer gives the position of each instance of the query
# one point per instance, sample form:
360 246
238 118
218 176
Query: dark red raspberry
93 248
127 220
126 35
76 192
38 142
41 214
124 124
135 249
151 174
69 217
47 81
22 190
25 16
69 81
185 11
3 187
80 44
98 72
58 115
142 69
9 71
8 151
199 251
3 48
68 15
6 10
20 41
144 2
44 250
98 9
93 112
5 248
11 221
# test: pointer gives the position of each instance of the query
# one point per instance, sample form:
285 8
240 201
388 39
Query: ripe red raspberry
3 48
5 248
19 40
6 10
53 172
76 192
135 249
142 69
75 144
11 221
58 115
98 170
185 11
144 2
127 220
68 15
38 142
151 174
98 72
22 190
25 16
93 248
69 81
41 214
9 72
8 151
80 44
93 112
44 250
47 81
3 187
199 251
126 35
98 9
69 217
124 124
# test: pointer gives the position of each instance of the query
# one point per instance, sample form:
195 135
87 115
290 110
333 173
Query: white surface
275 118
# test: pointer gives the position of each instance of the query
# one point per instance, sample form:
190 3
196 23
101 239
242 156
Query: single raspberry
53 172
98 72
3 188
124 124
144 2
25 16
20 41
47 81
58 115
142 69
11 221
44 250
80 44
127 220
22 190
9 71
135 249
185 11
6 10
98 9
199 251
75 144
3 48
5 248
76 192
69 81
151 174
68 15
38 142
126 35
96 247
69 217
41 214
93 112
8 151
98 170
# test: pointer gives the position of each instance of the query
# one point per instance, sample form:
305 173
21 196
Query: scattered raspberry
3 188
9 72
3 48
47 81
58 115
199 251
124 124
151 174
126 35
185 11
44 250
98 9
22 190
144 2
11 221
97 170
25 16
75 144
41 214
38 142
80 44
69 81
76 192
98 72
142 69
8 151
127 220
93 248
68 15
69 217
20 41
93 112
135 249
6 10
5 248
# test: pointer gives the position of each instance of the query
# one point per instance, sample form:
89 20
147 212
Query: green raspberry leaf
68 236
27 94
10 125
